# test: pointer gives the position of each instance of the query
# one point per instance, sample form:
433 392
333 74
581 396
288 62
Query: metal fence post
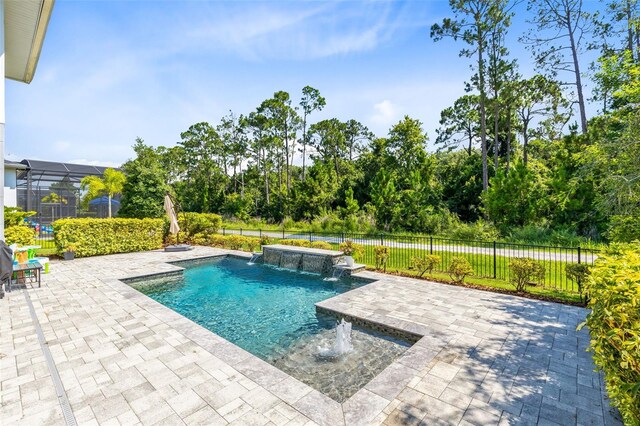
579 253
430 244
240 231
223 231
310 236
342 237
260 232
495 260
381 239
282 233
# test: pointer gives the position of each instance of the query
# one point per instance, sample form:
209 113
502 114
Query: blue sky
112 71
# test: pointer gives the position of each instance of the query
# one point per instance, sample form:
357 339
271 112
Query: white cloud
86 162
296 30
385 113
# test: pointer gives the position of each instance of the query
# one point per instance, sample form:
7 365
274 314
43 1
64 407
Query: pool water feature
271 313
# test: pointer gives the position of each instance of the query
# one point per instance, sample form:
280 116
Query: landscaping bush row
197 223
245 243
614 323
21 235
93 237
231 242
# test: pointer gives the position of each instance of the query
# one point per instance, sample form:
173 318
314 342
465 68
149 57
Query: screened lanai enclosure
53 191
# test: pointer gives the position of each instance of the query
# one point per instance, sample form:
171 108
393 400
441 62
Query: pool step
349 270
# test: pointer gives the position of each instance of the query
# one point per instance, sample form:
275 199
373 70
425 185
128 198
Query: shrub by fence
21 235
614 323
197 223
93 237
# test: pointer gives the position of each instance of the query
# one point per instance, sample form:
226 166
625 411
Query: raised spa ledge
346 270
301 258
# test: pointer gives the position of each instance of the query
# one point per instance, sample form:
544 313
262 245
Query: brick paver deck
122 358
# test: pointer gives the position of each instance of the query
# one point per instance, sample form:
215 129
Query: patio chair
6 266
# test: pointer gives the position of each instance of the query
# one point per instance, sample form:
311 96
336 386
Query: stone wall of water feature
301 258
290 260
271 257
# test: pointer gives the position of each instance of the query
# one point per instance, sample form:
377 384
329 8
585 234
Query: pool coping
361 408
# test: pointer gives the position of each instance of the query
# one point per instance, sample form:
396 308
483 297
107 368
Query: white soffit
25 26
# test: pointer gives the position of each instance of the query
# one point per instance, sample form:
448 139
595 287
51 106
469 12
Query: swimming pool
271 313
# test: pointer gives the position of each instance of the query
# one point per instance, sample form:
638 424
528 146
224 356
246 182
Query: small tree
459 269
578 273
382 255
425 264
524 271
110 184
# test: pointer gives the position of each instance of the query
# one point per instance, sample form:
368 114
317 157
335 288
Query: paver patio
122 358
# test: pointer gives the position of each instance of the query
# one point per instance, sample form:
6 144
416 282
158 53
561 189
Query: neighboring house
52 190
11 169
22 33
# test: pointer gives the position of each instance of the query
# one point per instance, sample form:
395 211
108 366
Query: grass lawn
554 286
47 248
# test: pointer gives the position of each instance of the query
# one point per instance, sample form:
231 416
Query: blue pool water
271 313
260 308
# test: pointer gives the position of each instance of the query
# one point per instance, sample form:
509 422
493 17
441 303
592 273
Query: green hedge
197 223
232 242
614 322
21 235
93 237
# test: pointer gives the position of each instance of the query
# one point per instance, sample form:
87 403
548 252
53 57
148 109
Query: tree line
515 154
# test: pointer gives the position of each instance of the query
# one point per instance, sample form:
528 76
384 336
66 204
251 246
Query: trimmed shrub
14 216
614 322
216 240
235 242
459 269
21 235
578 273
523 271
382 256
321 245
93 237
252 243
295 242
232 242
424 264
199 239
349 248
196 223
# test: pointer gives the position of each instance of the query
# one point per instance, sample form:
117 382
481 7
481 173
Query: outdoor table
22 269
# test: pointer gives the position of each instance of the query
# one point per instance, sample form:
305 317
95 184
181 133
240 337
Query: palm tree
110 184
54 199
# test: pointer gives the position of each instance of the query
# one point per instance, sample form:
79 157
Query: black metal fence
489 259
44 237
